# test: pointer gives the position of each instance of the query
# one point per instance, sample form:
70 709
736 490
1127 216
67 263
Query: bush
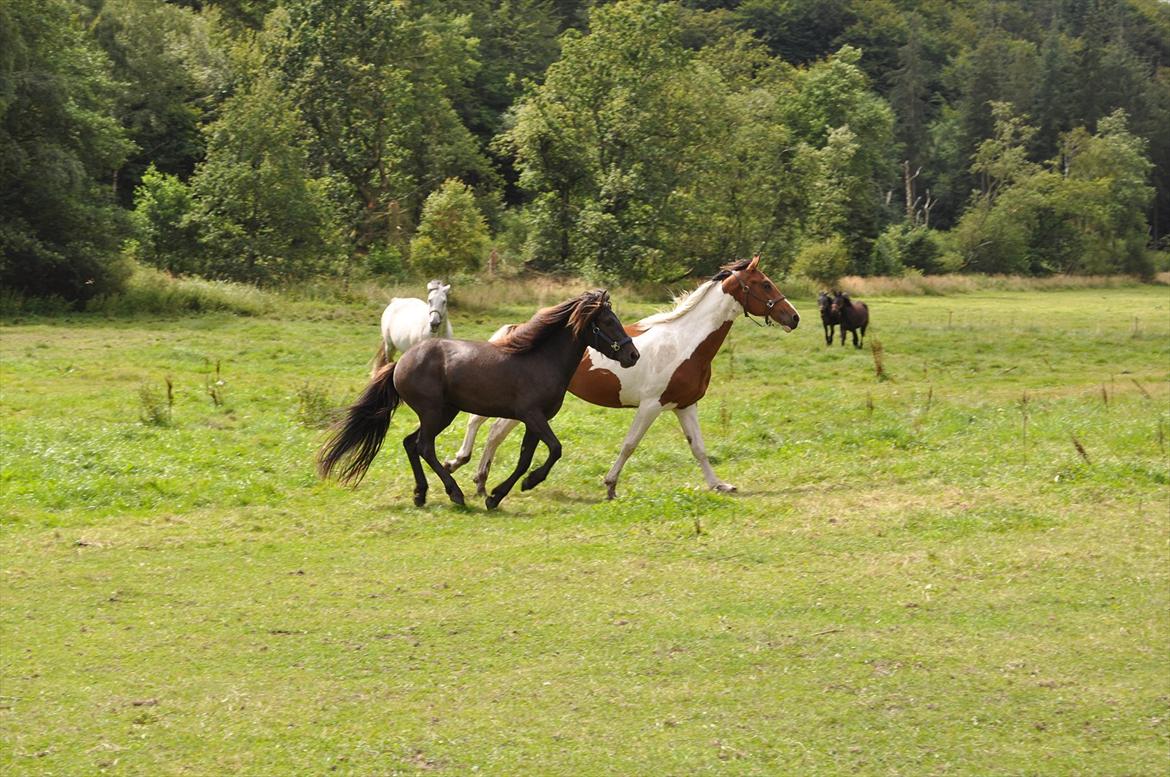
164 235
824 261
452 235
903 247
385 260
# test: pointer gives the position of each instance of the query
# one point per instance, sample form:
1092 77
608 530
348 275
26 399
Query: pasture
959 569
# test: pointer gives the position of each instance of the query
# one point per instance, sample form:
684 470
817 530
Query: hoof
457 497
480 490
420 500
723 488
611 491
492 502
527 484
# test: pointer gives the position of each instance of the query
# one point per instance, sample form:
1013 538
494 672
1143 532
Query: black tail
358 437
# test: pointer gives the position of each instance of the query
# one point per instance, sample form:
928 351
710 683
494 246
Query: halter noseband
768 303
614 345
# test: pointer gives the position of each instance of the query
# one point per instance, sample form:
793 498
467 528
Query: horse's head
840 302
437 301
604 332
824 302
759 296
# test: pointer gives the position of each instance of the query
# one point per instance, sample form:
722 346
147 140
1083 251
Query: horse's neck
680 338
562 349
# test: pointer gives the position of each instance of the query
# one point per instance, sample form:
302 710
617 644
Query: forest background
272 141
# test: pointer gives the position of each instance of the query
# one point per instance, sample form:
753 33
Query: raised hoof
492 502
453 464
723 488
527 484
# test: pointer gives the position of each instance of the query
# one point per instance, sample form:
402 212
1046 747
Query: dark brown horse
829 317
854 317
524 376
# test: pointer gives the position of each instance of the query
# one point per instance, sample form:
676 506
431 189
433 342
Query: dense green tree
1083 213
611 141
59 149
261 215
848 133
452 235
165 234
372 80
160 102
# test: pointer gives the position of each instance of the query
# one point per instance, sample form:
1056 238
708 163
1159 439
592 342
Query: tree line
272 140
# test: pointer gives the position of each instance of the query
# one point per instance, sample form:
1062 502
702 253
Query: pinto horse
522 377
677 349
854 317
829 317
407 320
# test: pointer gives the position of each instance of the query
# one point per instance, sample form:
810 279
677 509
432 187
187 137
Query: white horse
677 348
408 320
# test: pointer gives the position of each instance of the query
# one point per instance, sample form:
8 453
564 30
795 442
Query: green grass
902 585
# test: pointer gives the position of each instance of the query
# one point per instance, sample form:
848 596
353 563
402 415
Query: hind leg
463 455
500 430
410 444
856 340
688 419
432 425
527 448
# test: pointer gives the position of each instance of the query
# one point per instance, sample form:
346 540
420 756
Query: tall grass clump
154 404
156 292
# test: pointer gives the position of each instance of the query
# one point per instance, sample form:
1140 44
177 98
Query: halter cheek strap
614 345
768 303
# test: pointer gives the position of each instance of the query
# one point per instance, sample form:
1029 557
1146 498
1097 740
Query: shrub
452 234
164 235
824 261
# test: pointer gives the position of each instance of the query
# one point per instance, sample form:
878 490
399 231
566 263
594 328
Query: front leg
527 448
645 416
545 434
688 418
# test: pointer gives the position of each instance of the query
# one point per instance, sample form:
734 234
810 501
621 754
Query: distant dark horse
854 317
524 376
829 317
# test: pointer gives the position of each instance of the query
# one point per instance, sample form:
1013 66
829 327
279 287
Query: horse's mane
574 314
686 302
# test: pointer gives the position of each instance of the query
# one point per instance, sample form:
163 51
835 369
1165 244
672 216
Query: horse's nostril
796 318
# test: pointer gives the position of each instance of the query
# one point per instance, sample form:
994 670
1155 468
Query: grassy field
961 569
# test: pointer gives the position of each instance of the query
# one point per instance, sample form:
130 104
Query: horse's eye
767 285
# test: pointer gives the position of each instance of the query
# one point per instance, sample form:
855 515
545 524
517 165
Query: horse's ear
754 262
446 287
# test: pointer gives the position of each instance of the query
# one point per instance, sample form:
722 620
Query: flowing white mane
683 304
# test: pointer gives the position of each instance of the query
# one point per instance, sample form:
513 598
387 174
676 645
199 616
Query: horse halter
768 303
614 345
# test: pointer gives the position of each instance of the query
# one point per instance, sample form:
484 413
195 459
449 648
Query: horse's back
473 376
405 321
